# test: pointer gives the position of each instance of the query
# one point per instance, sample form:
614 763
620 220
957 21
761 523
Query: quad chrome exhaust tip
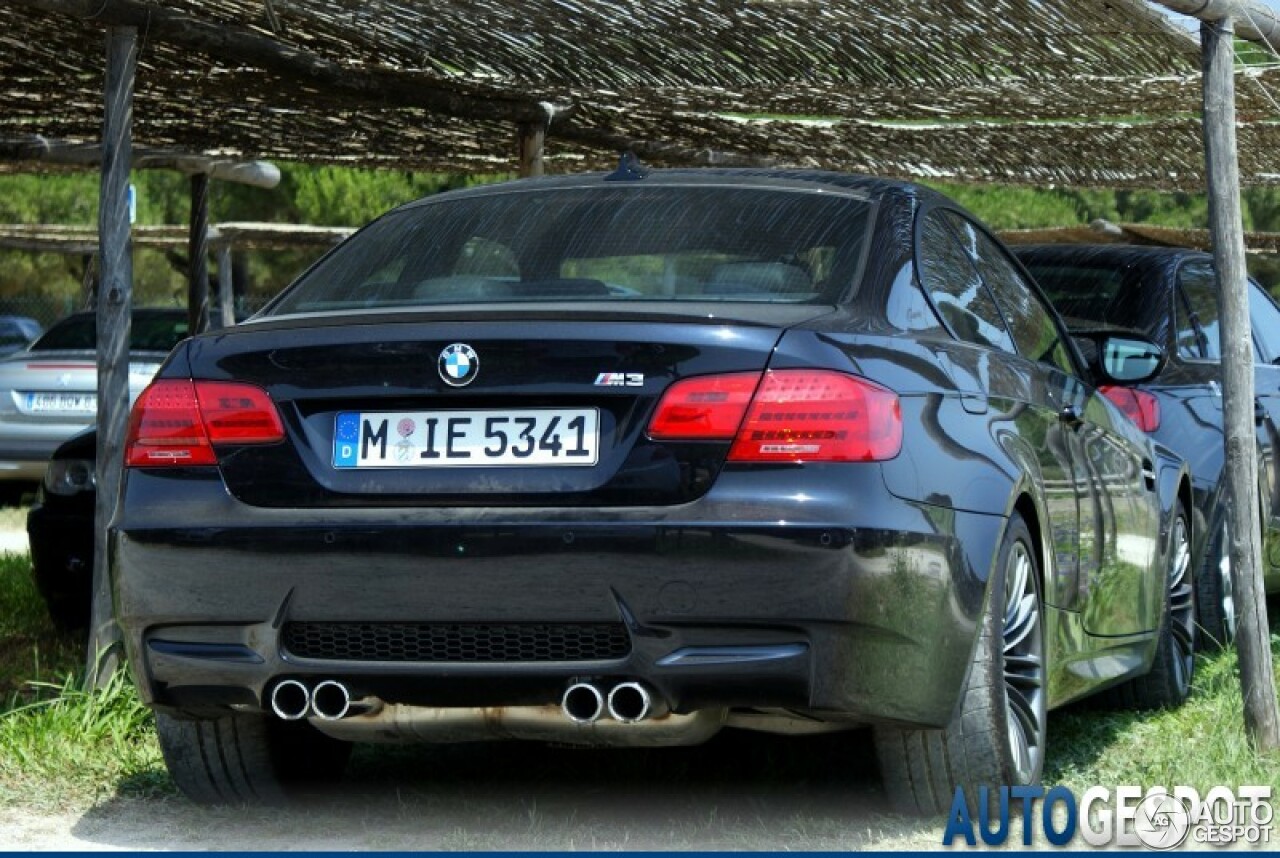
330 700
290 700
582 703
631 702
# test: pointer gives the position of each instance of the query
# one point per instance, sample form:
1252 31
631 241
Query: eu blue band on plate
347 438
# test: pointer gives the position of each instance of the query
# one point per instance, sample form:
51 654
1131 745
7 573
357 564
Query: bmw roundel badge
459 365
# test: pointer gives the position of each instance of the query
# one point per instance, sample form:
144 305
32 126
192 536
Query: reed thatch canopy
1085 92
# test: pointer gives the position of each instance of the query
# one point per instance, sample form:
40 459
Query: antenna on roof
629 169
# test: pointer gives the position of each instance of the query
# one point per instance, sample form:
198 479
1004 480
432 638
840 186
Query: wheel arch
1025 506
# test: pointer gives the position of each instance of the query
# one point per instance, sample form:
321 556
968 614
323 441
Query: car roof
796 179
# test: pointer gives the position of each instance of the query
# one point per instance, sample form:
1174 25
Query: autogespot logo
1157 818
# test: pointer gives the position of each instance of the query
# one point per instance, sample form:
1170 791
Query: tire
1168 683
997 735
1215 600
247 759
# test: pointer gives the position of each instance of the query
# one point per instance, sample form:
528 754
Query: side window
956 289
1196 314
1034 331
1266 324
907 307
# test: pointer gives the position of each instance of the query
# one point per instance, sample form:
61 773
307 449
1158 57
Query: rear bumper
835 597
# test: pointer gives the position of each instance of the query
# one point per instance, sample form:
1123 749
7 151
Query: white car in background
49 390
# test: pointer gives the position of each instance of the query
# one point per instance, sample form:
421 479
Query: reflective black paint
1189 390
873 573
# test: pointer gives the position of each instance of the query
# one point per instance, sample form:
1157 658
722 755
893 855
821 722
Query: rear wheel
247 759
997 735
1215 597
1168 683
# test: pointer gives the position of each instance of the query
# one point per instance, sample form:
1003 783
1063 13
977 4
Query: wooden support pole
530 139
115 302
226 296
1257 681
198 256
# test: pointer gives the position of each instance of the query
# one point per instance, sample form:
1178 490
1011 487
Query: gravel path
738 792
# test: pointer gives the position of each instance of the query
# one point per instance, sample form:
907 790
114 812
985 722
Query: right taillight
178 421
1139 406
791 415
819 416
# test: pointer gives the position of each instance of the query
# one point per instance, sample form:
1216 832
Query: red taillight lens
238 413
177 421
1139 406
794 416
703 409
819 416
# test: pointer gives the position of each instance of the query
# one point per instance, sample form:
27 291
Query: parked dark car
1172 295
622 460
60 531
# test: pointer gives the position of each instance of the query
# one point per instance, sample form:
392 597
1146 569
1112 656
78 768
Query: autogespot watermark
1158 818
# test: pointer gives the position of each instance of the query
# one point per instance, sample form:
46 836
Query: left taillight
179 421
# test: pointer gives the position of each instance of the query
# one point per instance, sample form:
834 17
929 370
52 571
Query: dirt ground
738 792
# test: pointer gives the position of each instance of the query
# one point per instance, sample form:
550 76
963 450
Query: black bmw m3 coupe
629 459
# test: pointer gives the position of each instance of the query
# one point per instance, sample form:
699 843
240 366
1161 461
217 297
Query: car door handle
1070 415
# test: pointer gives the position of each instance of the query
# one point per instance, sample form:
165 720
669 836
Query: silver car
48 391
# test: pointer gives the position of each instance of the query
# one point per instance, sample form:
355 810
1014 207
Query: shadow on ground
739 791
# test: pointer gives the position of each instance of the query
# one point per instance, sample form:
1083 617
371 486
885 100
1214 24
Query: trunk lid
562 398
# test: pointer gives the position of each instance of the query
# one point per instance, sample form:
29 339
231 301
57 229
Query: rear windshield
598 243
156 333
1093 293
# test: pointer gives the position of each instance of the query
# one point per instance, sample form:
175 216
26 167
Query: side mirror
1121 357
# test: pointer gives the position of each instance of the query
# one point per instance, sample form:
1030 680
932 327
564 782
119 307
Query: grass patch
59 744
1202 744
72 746
31 649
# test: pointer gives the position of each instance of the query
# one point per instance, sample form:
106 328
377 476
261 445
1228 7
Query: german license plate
466 438
62 403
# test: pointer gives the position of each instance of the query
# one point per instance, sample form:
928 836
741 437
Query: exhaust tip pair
292 701
627 702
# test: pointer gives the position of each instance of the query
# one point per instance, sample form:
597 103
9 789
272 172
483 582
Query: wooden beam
198 256
1253 640
240 45
600 138
1252 20
530 139
79 240
261 174
115 302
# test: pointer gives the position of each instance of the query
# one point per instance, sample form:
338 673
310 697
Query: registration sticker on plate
62 403
469 438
